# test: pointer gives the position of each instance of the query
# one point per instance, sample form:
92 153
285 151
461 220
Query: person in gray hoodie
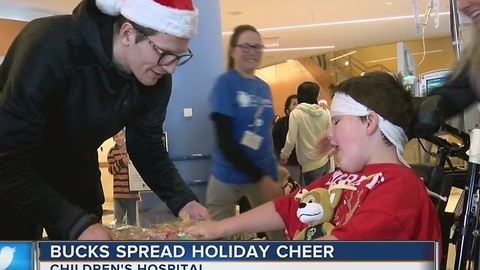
306 122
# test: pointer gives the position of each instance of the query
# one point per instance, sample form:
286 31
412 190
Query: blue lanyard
256 116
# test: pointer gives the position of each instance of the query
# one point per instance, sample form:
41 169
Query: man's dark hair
307 92
120 20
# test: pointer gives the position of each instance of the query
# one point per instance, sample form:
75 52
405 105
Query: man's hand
96 232
194 210
282 161
270 188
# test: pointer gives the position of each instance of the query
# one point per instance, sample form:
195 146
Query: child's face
348 136
119 138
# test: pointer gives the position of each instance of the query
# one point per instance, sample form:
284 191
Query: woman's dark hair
288 101
307 92
120 20
234 39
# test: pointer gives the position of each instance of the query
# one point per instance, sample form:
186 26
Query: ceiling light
343 55
271 42
393 58
389 3
298 49
234 13
337 23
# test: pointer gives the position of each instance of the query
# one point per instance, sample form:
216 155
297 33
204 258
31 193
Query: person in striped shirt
125 201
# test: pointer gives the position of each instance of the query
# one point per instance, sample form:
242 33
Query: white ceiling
338 23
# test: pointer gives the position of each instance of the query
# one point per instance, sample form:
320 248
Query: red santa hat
174 17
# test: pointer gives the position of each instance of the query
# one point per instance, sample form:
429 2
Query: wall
8 31
284 79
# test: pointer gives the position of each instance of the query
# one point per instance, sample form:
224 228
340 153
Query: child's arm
259 219
111 163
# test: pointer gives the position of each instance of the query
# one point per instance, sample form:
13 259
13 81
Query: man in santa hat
67 84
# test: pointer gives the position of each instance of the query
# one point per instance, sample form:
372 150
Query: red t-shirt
390 203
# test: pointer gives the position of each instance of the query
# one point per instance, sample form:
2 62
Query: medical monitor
431 80
465 121
406 68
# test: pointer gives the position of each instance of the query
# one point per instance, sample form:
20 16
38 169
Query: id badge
251 140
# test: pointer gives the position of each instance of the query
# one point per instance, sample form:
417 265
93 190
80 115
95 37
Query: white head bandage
343 104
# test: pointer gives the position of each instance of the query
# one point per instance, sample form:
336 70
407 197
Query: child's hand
323 145
206 230
287 188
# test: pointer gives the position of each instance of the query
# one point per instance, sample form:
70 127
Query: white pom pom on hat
178 18
110 7
323 101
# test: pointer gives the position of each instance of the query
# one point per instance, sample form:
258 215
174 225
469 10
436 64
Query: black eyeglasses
246 48
168 58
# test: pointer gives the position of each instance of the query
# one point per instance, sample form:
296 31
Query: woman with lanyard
243 163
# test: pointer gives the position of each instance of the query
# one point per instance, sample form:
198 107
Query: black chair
440 180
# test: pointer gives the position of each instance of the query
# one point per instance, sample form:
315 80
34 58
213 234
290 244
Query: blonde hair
470 61
283 175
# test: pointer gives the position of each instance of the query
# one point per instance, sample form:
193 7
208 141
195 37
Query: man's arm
26 84
148 155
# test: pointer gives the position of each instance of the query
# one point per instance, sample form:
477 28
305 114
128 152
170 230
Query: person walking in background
243 162
323 103
125 201
279 134
306 123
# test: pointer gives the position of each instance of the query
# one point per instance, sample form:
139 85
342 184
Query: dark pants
244 206
125 207
310 176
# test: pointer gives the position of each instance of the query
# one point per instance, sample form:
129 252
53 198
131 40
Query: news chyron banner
218 255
